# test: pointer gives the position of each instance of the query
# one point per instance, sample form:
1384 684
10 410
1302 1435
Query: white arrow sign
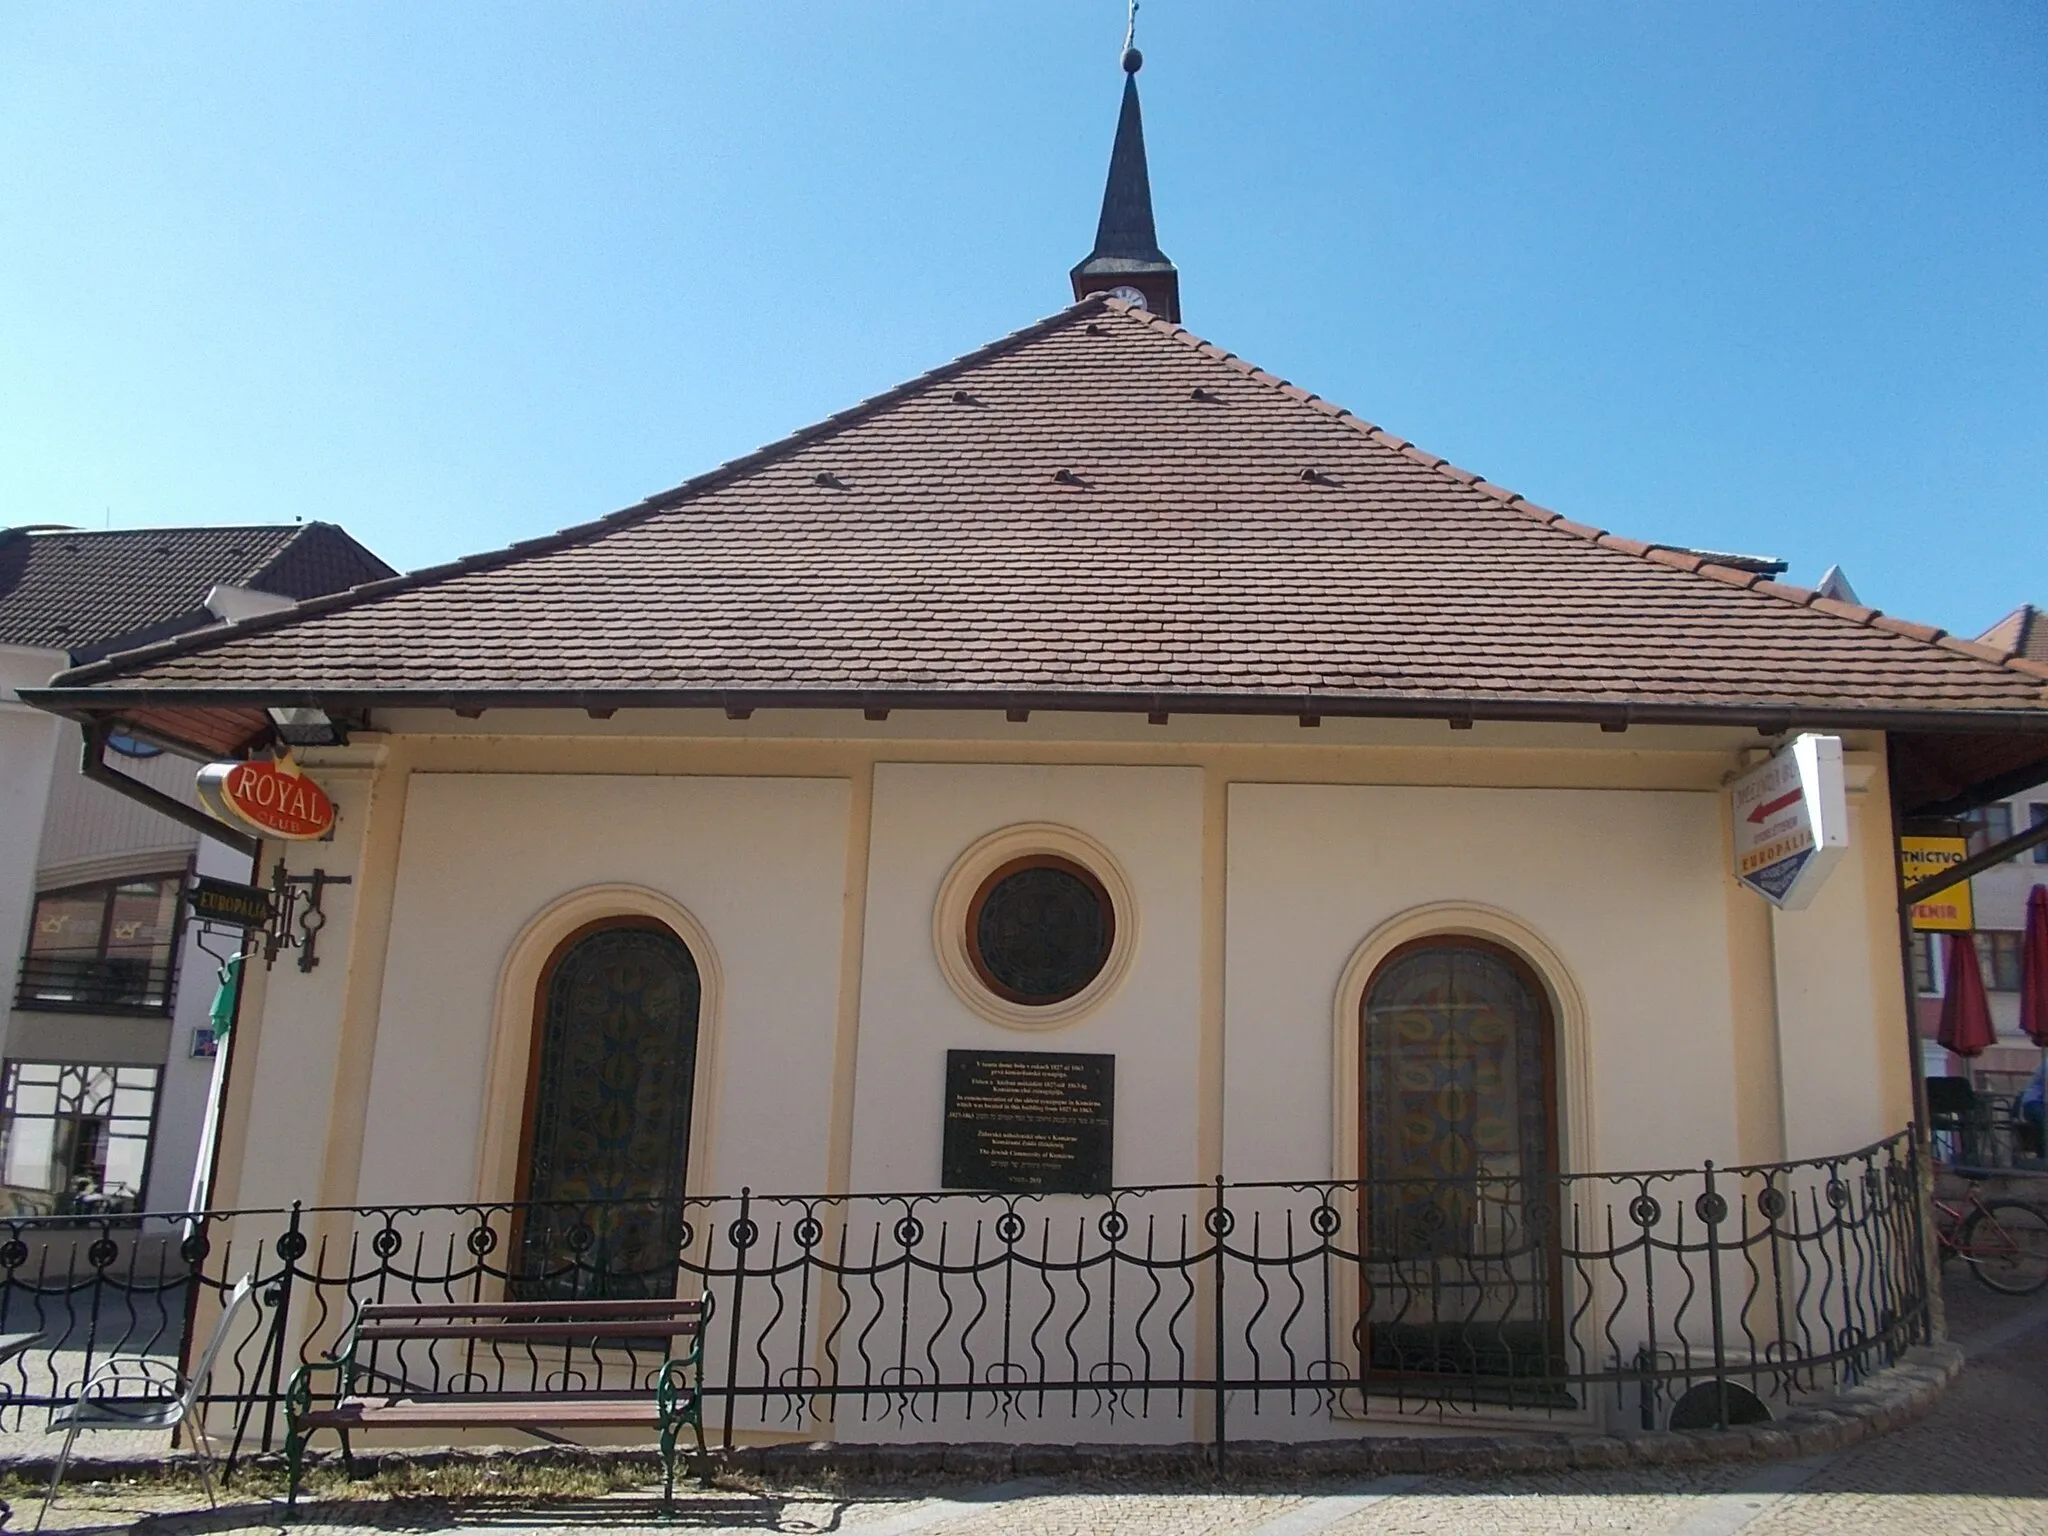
1791 817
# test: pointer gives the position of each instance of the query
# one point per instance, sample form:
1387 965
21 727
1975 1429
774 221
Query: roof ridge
525 549
39 531
1660 554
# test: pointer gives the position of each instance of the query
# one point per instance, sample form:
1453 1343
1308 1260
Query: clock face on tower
1129 295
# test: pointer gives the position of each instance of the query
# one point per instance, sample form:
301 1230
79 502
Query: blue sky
1757 277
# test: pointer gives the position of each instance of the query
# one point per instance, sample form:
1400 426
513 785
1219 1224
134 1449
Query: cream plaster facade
1269 867
1260 870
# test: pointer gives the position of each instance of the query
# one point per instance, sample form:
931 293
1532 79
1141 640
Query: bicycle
2005 1242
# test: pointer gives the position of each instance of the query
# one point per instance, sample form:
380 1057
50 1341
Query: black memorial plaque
1030 1122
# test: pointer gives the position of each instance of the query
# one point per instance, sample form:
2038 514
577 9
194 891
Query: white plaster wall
760 862
89 823
1625 886
925 817
28 752
1831 1030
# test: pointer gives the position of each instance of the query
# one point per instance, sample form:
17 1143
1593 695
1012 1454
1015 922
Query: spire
1127 261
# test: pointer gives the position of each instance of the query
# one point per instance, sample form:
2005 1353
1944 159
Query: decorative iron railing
1268 1311
96 984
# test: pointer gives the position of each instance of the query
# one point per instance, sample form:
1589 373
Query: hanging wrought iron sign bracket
296 918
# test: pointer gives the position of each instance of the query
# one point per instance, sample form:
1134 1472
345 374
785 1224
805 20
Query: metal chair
165 1401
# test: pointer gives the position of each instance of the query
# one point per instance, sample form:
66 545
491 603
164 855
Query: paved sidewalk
1978 1463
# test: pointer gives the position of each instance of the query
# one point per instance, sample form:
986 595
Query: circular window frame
966 886
971 931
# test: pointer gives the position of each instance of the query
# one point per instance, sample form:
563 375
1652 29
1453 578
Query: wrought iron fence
1246 1310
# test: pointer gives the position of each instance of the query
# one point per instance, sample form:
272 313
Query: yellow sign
1919 857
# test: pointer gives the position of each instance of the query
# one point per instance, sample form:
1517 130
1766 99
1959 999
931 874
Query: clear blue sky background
1765 277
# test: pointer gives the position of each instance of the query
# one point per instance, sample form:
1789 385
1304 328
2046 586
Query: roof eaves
664 501
1774 715
1730 575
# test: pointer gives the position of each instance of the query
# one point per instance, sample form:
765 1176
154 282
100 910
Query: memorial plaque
1029 1122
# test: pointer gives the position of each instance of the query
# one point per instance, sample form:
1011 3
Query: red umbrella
1966 1028
2034 968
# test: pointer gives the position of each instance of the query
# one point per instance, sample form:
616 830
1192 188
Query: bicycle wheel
2006 1242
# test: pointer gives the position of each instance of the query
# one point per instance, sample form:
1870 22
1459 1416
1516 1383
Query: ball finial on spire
1133 61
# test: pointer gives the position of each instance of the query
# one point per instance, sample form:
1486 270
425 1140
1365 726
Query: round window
1040 929
132 746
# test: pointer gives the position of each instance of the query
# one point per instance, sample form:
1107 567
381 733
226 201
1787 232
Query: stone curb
1887 1401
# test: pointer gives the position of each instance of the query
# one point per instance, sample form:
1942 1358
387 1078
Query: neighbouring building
1998 900
1125 797
107 1049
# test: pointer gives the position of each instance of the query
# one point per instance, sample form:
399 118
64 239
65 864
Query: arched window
607 1139
1459 1158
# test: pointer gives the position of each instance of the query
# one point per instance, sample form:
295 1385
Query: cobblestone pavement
1978 1463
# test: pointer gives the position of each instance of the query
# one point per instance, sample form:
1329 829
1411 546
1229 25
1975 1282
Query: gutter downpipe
94 765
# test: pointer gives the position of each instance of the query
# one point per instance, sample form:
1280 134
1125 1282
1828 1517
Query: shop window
1040 929
105 948
75 1138
608 1132
1999 953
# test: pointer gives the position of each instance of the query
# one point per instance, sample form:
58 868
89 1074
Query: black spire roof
1127 254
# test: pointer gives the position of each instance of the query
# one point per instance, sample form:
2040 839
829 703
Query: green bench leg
295 1464
668 1467
695 1419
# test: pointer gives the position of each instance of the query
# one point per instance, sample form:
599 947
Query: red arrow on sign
1772 807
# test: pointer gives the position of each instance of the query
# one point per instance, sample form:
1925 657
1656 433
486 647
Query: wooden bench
470 1351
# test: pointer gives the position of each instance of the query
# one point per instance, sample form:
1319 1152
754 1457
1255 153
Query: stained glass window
1040 929
1459 1158
609 1134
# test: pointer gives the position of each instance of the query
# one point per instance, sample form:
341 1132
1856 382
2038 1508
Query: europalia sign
1791 818
271 799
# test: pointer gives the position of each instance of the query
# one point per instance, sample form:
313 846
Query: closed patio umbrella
1966 1028
2034 968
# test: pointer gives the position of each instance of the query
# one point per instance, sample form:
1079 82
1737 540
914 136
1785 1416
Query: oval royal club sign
272 799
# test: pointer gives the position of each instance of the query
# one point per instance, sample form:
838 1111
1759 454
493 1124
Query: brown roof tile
919 549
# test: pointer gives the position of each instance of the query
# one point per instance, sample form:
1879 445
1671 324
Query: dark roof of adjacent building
2023 632
89 594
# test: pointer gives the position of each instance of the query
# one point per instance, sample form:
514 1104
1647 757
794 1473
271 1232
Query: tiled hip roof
1101 506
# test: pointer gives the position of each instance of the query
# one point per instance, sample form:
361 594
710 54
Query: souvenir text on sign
273 799
1029 1121
1791 817
1945 911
